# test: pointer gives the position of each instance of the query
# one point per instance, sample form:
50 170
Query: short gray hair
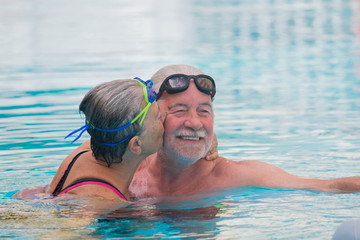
111 105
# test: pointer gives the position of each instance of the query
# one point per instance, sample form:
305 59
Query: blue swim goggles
150 97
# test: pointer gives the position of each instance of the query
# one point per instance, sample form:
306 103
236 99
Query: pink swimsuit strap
58 189
86 181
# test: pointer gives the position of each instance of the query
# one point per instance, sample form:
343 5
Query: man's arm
261 174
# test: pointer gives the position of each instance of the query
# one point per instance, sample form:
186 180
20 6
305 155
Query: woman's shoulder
35 192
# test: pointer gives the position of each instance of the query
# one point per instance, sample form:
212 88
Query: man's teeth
190 138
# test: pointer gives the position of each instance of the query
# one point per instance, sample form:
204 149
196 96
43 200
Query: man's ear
135 145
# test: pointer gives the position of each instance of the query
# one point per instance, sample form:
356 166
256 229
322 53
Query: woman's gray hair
111 105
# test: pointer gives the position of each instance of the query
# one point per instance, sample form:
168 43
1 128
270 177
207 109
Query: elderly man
185 100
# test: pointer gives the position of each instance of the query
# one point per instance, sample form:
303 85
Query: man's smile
190 138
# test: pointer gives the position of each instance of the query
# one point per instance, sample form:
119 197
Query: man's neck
172 168
173 177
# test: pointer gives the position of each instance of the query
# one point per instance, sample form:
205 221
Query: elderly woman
123 120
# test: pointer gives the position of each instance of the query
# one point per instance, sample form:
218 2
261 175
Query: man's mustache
191 133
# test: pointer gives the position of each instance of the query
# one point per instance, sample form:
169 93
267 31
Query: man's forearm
346 184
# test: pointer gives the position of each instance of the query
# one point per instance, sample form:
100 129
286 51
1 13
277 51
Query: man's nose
193 121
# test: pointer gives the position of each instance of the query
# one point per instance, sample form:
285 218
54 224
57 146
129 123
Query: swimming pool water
287 75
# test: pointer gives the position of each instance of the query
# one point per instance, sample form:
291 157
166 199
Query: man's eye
204 111
179 111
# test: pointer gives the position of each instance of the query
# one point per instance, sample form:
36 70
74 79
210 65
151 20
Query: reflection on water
249 212
287 75
54 218
44 219
150 221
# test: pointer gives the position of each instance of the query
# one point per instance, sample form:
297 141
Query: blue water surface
288 93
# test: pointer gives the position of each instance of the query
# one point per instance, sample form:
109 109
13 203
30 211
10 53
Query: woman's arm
212 154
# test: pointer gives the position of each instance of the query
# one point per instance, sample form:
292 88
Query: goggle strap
82 129
139 80
146 109
145 86
146 94
109 130
113 144
141 113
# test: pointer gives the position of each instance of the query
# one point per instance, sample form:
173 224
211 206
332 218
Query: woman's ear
134 145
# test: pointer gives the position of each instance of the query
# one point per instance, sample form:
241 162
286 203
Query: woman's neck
124 171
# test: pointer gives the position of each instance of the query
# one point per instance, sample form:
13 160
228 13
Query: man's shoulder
146 163
223 164
228 172
222 161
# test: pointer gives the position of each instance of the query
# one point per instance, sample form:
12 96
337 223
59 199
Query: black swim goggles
180 82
